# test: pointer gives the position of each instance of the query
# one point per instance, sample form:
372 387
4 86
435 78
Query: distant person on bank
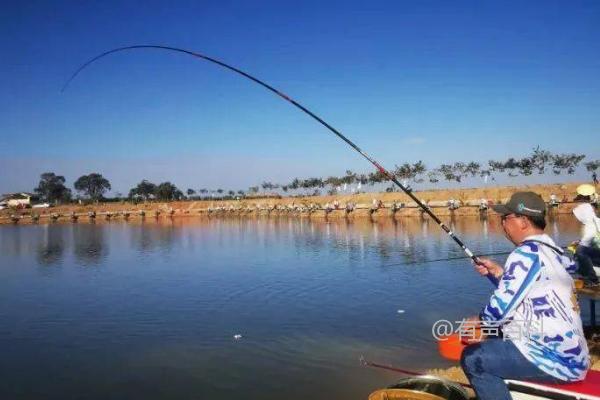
534 306
586 193
587 252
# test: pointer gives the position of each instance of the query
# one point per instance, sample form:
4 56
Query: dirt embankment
395 204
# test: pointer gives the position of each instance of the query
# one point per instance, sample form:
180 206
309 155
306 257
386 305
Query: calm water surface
149 310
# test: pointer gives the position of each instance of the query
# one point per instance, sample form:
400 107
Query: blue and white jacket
536 308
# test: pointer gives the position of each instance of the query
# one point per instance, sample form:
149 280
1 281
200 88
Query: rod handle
495 281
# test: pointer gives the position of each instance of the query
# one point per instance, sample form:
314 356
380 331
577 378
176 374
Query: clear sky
440 81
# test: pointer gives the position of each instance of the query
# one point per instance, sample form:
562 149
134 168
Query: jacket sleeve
569 263
588 234
521 270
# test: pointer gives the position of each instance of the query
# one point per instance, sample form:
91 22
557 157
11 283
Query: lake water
149 310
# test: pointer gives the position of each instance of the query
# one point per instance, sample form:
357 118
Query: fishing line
498 253
406 189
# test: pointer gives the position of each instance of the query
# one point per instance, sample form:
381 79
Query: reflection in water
89 244
407 240
51 244
160 312
484 228
555 230
147 237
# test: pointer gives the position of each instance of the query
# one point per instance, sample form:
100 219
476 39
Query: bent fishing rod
406 189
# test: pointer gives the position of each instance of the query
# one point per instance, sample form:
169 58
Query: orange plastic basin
451 346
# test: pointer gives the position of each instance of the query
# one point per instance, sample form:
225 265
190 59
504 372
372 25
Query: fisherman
587 252
350 207
586 193
533 307
483 204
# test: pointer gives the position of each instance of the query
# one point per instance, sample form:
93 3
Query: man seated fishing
587 252
533 306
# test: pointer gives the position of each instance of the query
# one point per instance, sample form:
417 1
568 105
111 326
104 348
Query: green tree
540 158
267 185
473 168
376 177
404 172
592 166
52 188
567 162
166 191
433 176
349 178
191 192
333 182
448 172
295 185
144 189
526 166
93 185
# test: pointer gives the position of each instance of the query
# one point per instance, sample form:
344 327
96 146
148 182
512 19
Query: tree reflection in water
160 235
409 240
383 240
89 244
51 246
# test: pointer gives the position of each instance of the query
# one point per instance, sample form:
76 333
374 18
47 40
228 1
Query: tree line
94 186
52 187
538 162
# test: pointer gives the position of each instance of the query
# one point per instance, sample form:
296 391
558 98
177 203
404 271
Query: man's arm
568 262
588 235
521 270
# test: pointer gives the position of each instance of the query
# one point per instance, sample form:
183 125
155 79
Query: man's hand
488 266
472 322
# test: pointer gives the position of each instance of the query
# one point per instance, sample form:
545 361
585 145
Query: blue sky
432 80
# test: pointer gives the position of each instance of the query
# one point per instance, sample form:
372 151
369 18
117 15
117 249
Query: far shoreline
446 203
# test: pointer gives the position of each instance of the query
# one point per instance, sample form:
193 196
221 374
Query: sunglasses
509 216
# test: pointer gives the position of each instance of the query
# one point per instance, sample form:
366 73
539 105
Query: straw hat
586 190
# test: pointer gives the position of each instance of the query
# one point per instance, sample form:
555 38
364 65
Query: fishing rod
406 189
367 363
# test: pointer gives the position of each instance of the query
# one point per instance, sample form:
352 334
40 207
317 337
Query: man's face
513 226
